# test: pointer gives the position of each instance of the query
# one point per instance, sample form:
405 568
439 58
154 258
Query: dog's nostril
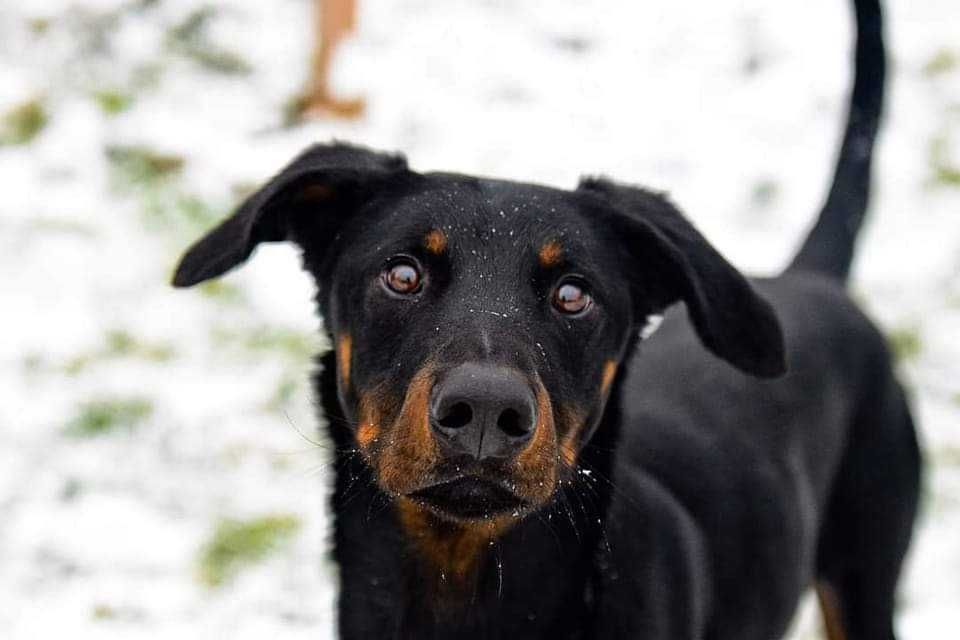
512 423
459 415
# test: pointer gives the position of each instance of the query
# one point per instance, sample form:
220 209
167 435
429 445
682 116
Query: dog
518 455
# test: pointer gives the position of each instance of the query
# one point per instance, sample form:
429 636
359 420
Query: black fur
829 247
705 494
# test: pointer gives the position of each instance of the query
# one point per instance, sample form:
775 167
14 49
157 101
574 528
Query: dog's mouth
469 497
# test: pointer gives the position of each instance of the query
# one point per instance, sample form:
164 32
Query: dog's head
479 324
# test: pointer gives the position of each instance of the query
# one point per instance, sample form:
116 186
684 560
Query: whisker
320 445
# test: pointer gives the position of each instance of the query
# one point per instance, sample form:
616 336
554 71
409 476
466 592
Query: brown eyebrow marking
344 353
550 254
435 241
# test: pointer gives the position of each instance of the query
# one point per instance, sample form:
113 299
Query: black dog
516 461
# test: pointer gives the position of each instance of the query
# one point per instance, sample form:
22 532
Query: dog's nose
484 411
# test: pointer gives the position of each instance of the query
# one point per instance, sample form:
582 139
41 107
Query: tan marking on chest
452 550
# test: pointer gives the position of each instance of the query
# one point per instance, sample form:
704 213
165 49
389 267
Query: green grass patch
107 415
296 345
906 343
140 165
943 172
23 123
146 76
282 394
39 26
765 193
187 215
103 612
221 291
196 213
947 175
189 39
943 61
236 544
112 101
218 60
118 343
153 178
33 362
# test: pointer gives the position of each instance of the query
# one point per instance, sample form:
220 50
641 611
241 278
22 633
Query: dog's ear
326 180
731 319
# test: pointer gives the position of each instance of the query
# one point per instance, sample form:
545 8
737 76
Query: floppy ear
731 319
321 178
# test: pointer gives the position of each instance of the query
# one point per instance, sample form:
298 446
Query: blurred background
162 473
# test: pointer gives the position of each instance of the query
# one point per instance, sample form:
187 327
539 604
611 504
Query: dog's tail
829 247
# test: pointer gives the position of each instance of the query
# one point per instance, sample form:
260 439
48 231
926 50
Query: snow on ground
135 419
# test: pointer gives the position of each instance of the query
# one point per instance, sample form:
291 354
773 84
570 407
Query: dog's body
516 460
728 498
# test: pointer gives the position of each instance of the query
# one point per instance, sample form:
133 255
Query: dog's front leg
652 575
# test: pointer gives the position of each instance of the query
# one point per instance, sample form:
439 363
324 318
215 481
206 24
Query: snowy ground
135 418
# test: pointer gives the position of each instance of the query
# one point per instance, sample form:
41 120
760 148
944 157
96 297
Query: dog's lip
468 496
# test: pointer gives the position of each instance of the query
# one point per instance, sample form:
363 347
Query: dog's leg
870 519
652 567
830 610
333 21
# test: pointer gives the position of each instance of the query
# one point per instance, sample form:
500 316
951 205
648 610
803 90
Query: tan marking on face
535 469
435 241
367 433
344 355
370 416
550 254
609 372
569 446
451 549
410 451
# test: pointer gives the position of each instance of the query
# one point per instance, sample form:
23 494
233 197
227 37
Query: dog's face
479 325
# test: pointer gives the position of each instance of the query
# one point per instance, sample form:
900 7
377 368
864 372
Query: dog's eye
571 297
402 276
